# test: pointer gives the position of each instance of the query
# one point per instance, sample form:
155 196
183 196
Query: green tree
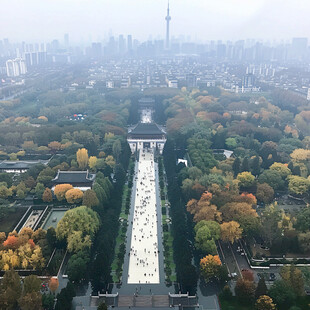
261 288
272 178
255 166
10 290
77 266
246 179
236 166
39 190
303 220
102 306
207 232
298 185
245 164
282 294
90 199
78 227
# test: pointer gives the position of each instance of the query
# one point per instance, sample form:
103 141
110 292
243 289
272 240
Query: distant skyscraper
66 39
121 44
168 18
129 42
15 67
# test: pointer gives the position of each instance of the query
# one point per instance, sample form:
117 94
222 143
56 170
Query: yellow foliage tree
231 231
60 191
210 266
92 162
265 302
82 158
74 195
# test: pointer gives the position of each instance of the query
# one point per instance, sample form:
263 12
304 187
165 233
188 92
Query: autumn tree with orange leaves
74 195
60 191
210 266
203 209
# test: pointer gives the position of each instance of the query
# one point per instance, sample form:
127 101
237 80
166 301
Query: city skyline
96 21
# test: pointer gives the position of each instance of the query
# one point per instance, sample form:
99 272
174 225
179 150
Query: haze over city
204 20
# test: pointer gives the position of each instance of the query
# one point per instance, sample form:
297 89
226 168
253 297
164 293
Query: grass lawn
8 223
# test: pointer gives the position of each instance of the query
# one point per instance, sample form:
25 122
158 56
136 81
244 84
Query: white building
15 67
146 136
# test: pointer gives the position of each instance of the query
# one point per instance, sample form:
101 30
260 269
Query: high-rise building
299 47
15 67
121 44
168 18
129 43
66 39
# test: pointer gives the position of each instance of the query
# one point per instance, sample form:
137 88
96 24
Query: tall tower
168 18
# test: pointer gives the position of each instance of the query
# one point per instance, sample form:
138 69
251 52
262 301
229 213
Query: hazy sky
34 20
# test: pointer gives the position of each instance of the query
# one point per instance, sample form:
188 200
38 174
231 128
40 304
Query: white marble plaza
146 116
143 260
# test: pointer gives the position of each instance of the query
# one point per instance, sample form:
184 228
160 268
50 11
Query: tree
203 209
207 232
46 175
54 146
77 266
304 241
303 220
282 294
39 190
53 284
236 166
231 231
235 210
272 178
102 306
265 302
298 185
282 169
48 301
78 226
47 195
294 278
117 149
61 189
31 301
245 291
255 166
210 266
92 162
74 195
20 194
261 288
31 284
245 164
90 199
264 193
5 192
246 179
10 290
82 158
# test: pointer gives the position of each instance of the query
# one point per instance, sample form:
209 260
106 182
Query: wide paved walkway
143 260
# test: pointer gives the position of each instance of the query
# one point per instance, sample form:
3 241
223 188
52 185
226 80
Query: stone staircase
160 301
125 301
143 301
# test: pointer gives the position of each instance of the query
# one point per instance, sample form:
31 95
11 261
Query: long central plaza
143 260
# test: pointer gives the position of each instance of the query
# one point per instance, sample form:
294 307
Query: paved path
143 261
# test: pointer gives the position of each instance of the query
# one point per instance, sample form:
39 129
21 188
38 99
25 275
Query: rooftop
21 164
146 129
74 177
